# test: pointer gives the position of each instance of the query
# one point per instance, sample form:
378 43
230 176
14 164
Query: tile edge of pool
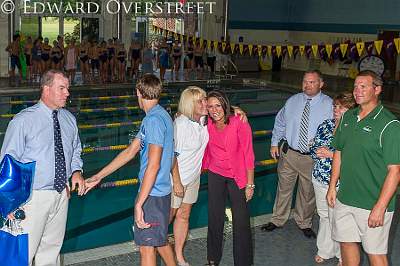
129 247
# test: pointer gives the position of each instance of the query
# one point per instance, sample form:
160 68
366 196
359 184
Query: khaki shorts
191 193
350 224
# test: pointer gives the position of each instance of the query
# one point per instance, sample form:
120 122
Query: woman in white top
190 140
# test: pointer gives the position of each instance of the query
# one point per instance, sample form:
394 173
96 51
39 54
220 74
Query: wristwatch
250 186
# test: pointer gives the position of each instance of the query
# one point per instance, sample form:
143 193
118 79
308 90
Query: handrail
234 66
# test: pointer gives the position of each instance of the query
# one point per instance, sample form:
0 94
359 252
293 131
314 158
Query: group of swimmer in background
107 61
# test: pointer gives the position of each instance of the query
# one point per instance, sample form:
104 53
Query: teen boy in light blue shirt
155 144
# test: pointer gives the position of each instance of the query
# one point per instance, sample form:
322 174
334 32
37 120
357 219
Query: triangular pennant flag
314 48
360 47
176 36
208 44
269 50
343 48
250 48
241 48
232 45
278 50
223 46
290 50
328 48
259 49
389 47
369 47
215 44
353 51
284 50
308 51
378 46
397 44
302 48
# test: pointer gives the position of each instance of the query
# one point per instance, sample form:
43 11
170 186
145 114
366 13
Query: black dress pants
219 187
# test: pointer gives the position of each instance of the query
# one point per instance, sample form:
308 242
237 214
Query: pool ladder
225 68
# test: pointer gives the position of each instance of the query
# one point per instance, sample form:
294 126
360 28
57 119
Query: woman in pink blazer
229 158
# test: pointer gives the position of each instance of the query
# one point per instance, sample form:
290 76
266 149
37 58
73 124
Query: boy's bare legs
147 256
167 255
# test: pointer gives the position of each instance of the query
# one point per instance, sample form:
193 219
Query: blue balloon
15 184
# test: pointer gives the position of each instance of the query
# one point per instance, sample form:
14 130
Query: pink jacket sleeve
246 143
206 160
206 157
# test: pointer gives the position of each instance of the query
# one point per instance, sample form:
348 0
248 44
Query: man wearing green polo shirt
367 160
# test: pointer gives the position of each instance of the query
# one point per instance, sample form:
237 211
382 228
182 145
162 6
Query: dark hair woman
229 157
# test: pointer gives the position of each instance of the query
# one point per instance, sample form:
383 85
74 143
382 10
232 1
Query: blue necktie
304 122
60 178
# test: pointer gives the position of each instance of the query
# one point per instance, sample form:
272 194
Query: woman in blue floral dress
322 154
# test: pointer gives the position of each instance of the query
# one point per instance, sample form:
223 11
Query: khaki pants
46 218
327 247
293 166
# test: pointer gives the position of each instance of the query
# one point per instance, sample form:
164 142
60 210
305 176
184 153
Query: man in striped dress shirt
295 126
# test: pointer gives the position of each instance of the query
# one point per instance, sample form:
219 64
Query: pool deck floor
283 247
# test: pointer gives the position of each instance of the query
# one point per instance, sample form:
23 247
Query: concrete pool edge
35 88
129 247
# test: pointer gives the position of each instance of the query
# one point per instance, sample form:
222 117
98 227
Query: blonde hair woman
191 138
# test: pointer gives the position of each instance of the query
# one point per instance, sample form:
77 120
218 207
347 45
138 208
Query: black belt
302 153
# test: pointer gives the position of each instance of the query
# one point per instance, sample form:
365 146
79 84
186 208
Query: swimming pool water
104 216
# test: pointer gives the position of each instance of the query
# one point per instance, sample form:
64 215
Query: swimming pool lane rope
98 110
135 181
84 99
121 97
88 150
137 122
136 107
